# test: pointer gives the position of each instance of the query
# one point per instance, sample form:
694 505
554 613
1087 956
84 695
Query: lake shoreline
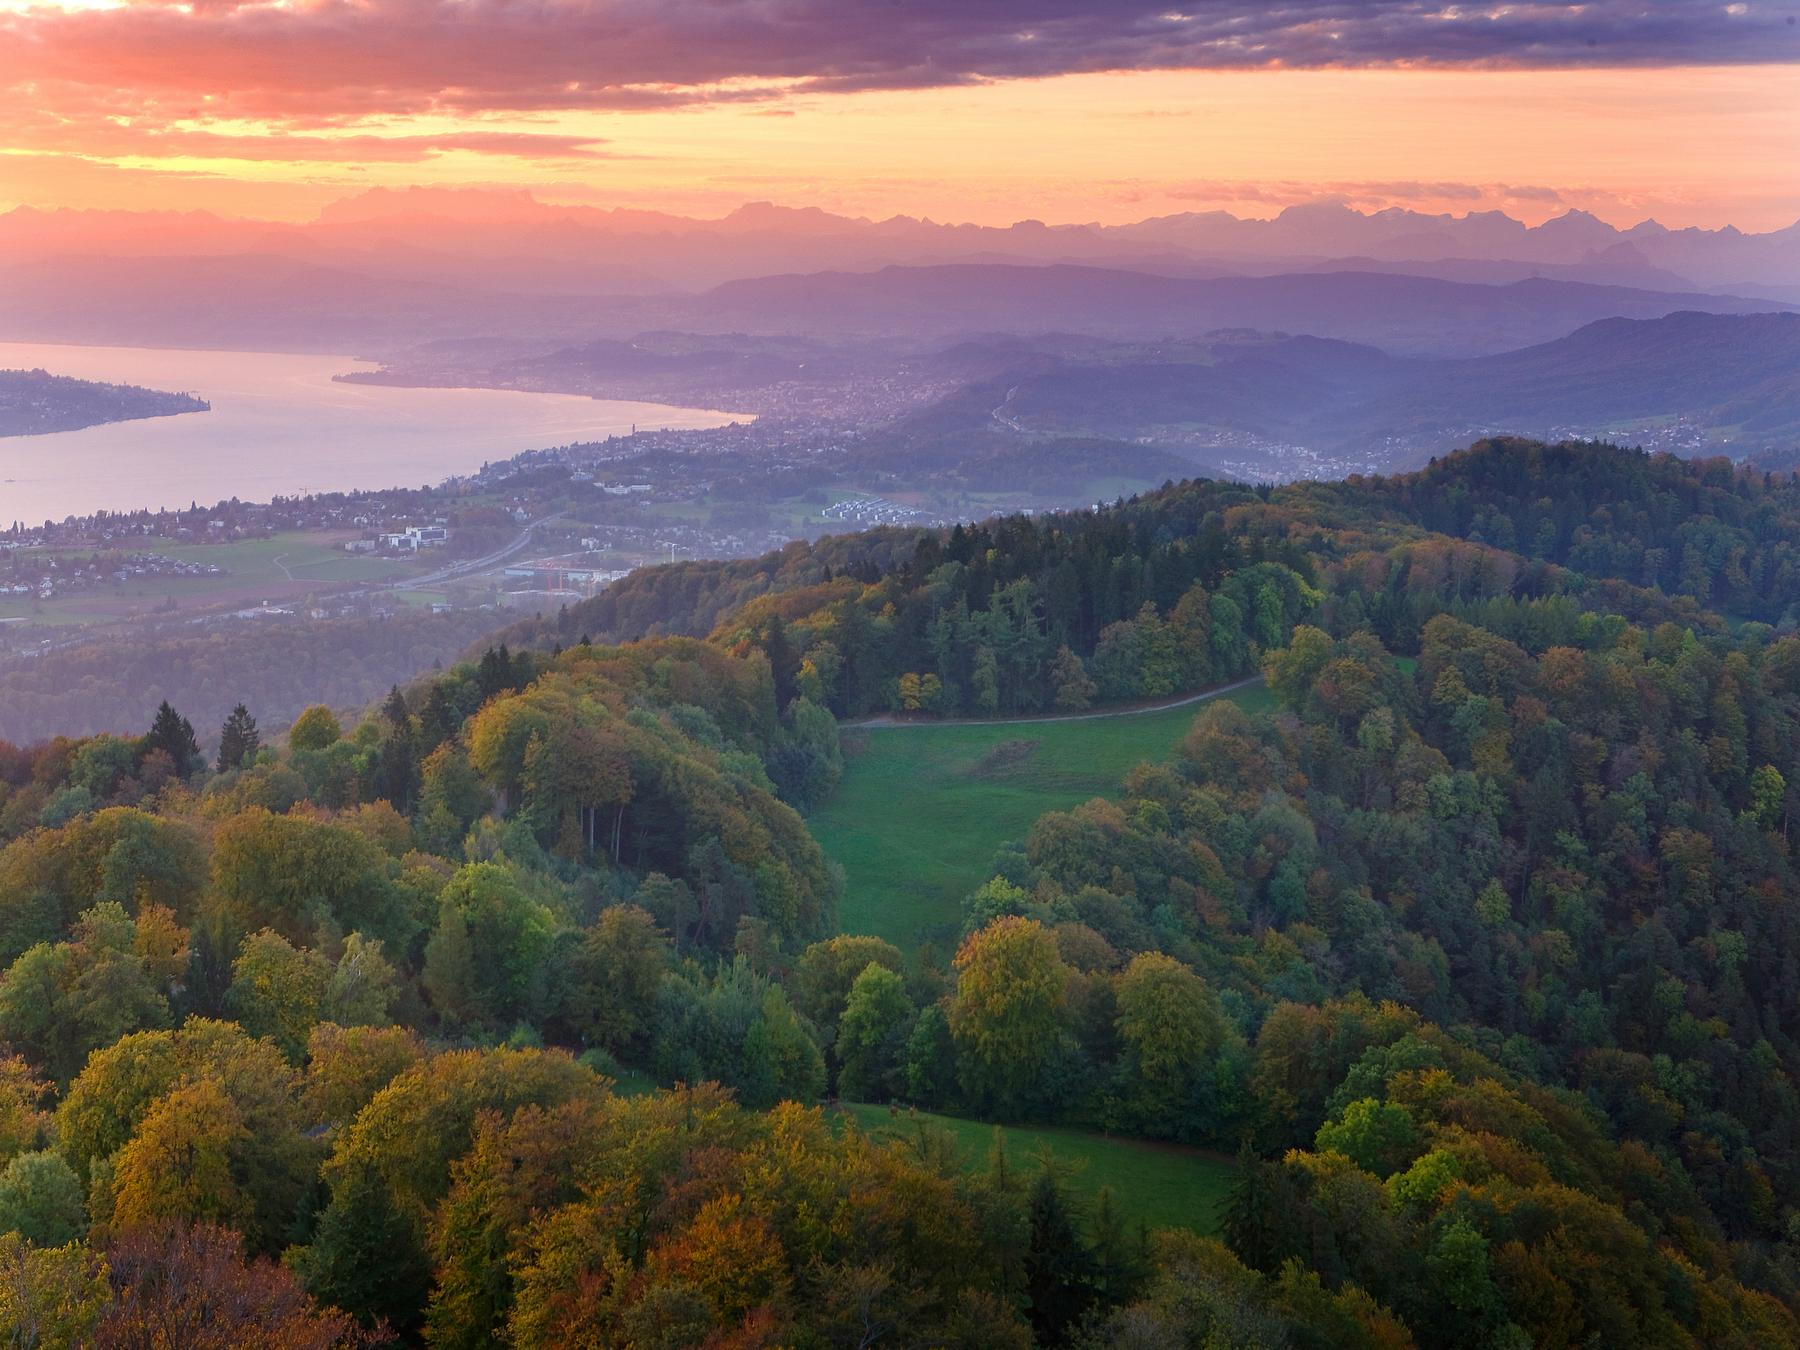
283 425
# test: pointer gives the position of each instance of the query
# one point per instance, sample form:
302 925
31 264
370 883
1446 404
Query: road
460 569
1000 415
1135 710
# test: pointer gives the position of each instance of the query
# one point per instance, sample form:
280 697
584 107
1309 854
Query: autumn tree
1074 688
315 729
278 990
1006 1012
189 1284
1171 1032
51 1297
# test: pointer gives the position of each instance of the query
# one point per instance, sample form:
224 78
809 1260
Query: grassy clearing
310 556
1158 1185
1114 487
923 809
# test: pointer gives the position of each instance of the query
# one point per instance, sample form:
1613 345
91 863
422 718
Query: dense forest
512 1012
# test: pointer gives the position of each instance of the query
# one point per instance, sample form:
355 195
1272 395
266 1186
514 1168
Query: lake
280 426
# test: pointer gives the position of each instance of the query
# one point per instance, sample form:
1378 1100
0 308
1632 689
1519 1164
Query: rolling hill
1732 380
1410 315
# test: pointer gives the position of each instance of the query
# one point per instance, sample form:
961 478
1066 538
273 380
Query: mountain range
525 244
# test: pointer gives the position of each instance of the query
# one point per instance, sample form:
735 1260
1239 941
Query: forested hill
1177 588
1724 536
35 401
1478 943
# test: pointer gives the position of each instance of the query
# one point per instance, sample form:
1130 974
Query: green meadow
923 807
1158 1185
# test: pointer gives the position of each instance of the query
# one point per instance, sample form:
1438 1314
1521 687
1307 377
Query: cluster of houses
62 575
865 511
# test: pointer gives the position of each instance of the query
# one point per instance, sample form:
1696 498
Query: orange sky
1687 144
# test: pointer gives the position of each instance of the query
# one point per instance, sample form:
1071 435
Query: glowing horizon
1100 114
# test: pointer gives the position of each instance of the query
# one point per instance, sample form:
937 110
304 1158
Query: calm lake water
279 426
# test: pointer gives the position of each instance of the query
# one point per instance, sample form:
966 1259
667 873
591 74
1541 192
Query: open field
282 568
923 808
1159 1185
302 556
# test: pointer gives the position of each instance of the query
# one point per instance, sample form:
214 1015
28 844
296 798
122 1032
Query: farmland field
280 569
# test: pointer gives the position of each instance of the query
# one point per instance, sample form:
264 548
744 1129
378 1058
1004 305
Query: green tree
278 990
1379 1137
451 798
1768 797
41 1199
101 765
1060 1270
449 975
238 739
363 984
984 681
610 996
507 941
1461 1280
1171 1031
872 1036
825 971
59 1002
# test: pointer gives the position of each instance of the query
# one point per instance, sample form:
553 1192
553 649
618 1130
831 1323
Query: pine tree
395 710
173 734
367 1257
1060 1270
1120 1256
1254 1214
494 674
439 721
782 664
238 739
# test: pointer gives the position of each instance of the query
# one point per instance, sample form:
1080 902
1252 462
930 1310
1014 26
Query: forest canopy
514 1009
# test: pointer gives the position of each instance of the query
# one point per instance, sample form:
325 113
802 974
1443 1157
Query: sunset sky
981 110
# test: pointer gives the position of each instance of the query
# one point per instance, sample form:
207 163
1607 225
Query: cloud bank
349 59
